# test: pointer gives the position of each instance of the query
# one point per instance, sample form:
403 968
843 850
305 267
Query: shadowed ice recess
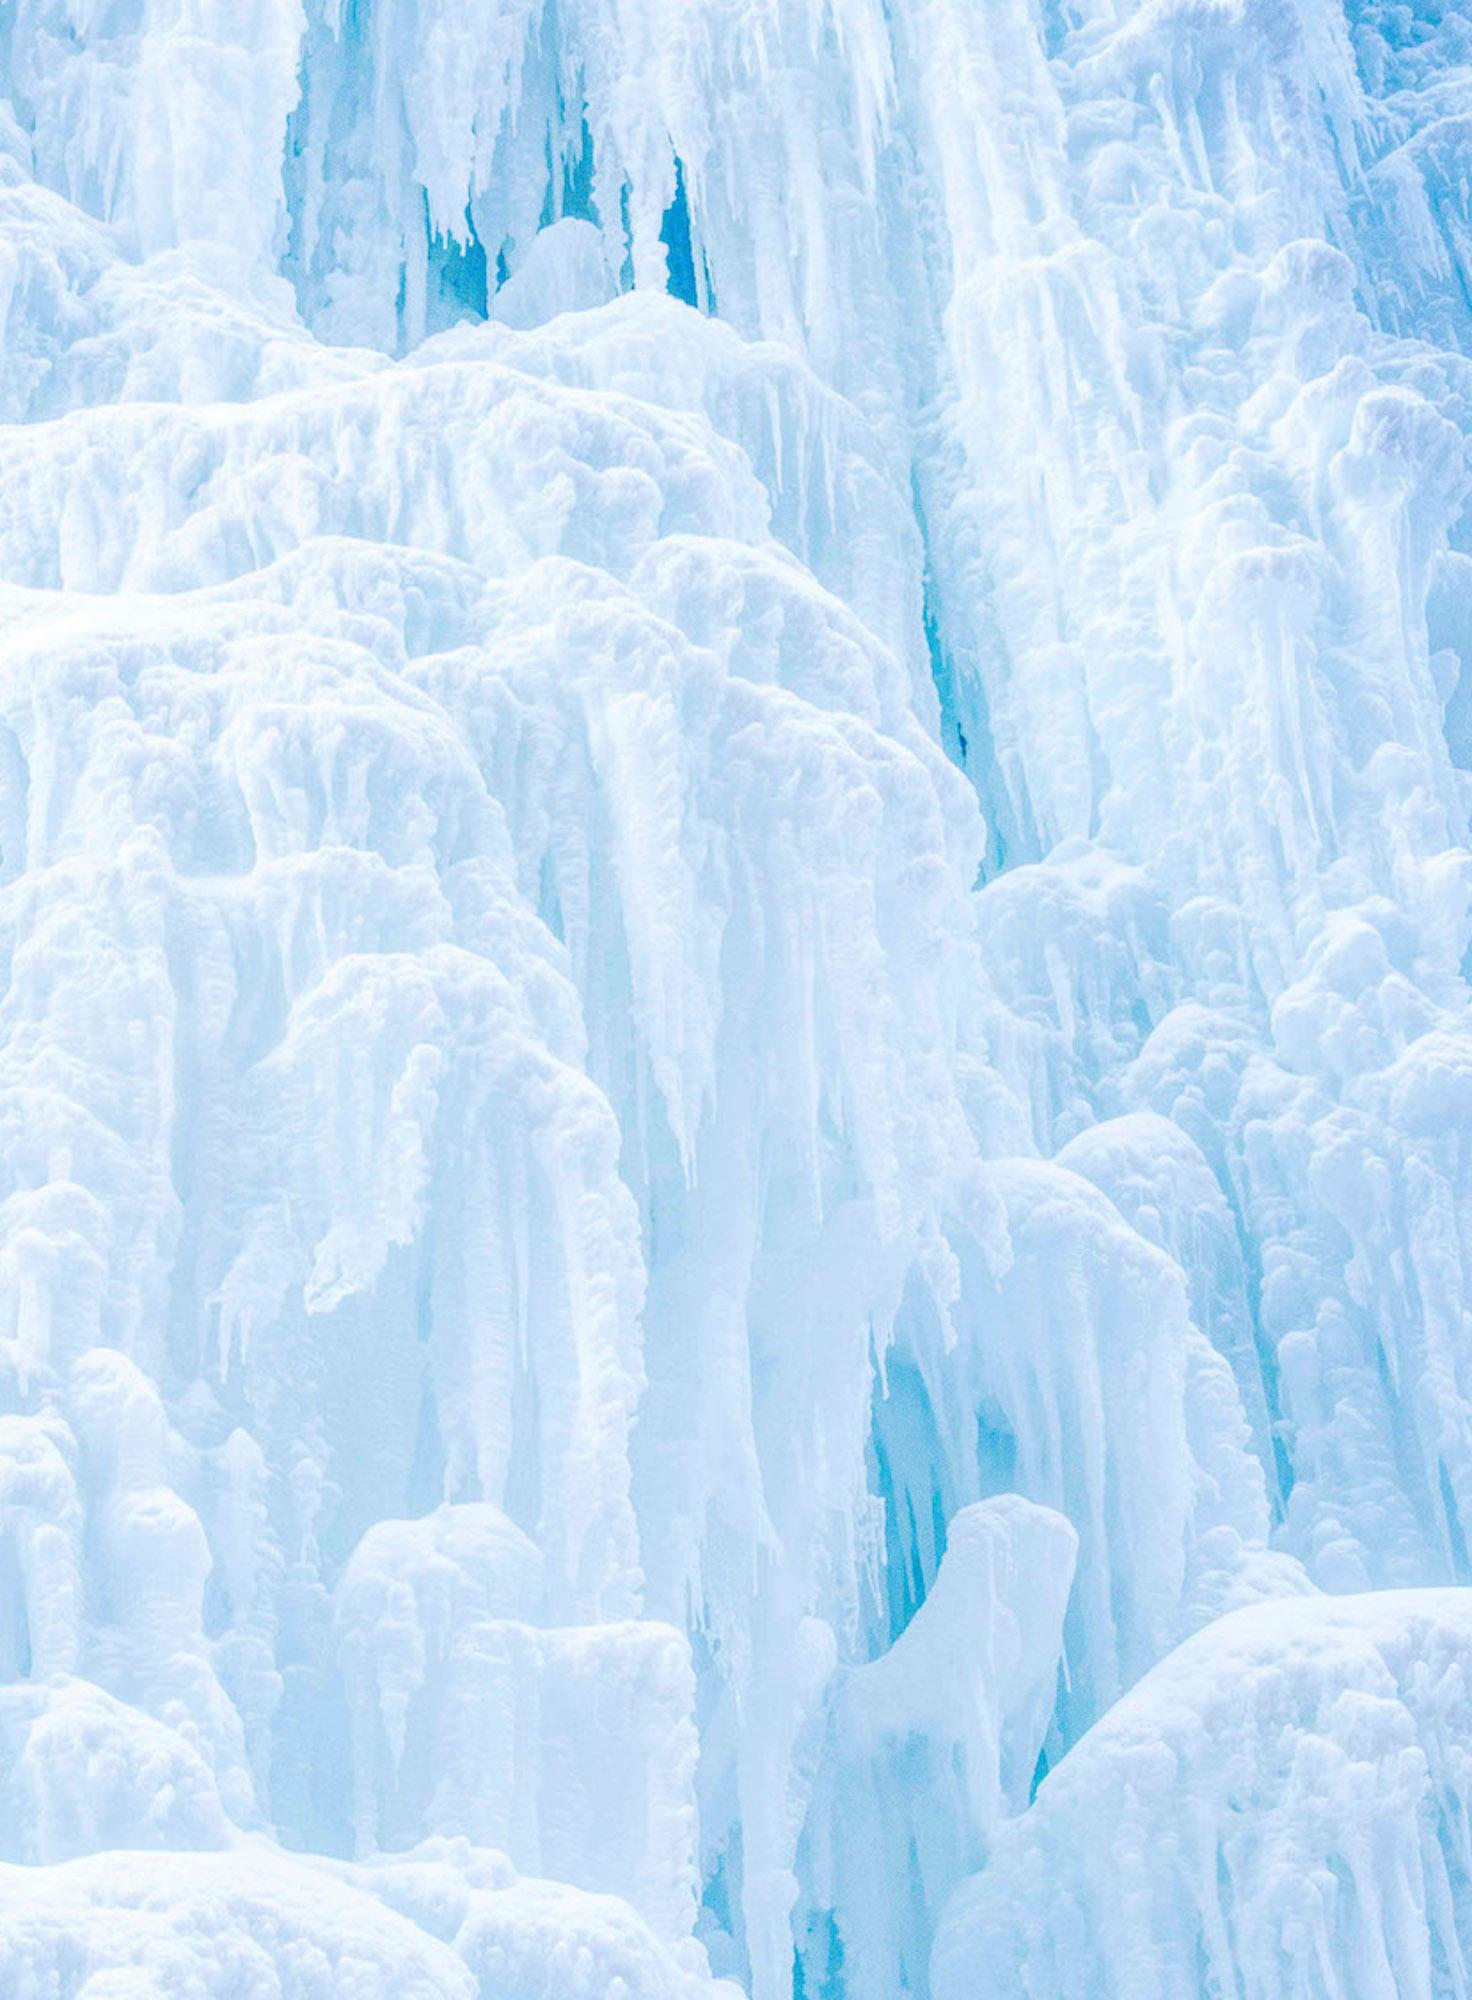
735 1078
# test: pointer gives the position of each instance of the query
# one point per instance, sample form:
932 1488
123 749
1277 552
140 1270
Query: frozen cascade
734 1066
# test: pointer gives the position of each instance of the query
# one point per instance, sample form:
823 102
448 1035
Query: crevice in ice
817 1964
906 1464
578 178
456 275
1452 1519
683 283
965 720
718 1922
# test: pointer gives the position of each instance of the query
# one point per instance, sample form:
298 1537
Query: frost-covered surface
1277 1808
733 1053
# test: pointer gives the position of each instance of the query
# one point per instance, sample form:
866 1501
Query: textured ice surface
1278 1807
734 1066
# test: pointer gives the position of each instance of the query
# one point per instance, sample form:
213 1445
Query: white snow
1278 1807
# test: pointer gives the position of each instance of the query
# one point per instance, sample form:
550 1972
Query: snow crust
1283 1802
734 1059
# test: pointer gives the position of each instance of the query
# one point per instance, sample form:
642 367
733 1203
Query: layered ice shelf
735 1207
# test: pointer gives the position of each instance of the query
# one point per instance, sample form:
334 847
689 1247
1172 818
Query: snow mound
1279 1808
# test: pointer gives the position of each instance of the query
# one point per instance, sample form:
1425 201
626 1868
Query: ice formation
734 1059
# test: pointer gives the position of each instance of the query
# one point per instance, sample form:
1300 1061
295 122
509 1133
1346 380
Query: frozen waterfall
735 1073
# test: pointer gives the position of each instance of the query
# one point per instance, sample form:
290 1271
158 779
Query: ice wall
733 1057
